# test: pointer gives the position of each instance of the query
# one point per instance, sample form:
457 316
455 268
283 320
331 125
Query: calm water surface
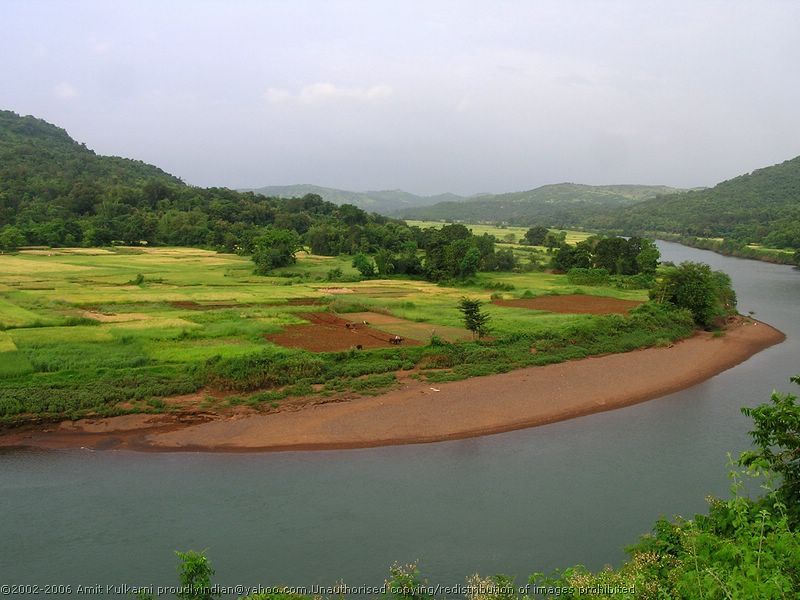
532 500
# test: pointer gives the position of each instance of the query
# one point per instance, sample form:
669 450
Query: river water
530 500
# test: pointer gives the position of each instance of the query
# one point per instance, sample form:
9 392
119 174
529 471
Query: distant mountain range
759 207
58 192
552 205
382 201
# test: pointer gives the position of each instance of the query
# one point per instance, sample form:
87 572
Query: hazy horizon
460 97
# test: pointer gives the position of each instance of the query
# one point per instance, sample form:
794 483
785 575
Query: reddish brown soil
305 302
573 304
328 332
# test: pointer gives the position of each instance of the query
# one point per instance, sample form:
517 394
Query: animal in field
359 347
396 340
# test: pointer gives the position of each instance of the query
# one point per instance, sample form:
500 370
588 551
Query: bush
581 276
707 294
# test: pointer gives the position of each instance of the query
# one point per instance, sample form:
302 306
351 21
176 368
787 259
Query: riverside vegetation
743 548
101 313
755 215
119 330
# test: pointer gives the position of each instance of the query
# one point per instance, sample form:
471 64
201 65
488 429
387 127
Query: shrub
582 276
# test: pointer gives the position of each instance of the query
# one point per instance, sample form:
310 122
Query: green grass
78 338
501 233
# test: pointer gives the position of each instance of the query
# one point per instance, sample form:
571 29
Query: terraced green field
115 330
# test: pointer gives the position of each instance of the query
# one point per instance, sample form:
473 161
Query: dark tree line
618 256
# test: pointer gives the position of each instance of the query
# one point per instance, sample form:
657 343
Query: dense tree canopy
707 294
618 256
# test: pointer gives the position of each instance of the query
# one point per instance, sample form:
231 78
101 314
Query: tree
613 254
275 248
476 320
469 264
568 257
384 262
502 260
535 235
11 238
364 265
694 286
777 440
555 239
647 259
195 575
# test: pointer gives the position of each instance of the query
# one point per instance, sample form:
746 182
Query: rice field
137 323
505 234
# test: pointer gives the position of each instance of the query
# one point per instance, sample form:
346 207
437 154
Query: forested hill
380 201
558 205
42 159
760 207
56 192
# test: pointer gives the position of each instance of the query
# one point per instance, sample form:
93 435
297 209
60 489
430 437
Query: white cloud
321 92
277 95
65 91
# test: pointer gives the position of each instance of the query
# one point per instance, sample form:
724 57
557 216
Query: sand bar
418 412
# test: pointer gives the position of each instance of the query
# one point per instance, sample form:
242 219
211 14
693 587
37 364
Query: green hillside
381 201
558 205
762 207
56 192
44 172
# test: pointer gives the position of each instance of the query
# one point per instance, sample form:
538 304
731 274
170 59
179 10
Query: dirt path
423 412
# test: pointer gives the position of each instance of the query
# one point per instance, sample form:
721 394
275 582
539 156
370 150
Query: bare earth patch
327 332
573 304
409 329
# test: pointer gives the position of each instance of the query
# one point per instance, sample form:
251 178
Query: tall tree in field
275 248
535 235
475 319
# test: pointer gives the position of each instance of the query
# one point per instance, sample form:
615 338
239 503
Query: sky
429 97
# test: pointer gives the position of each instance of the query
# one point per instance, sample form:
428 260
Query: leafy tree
535 235
777 440
364 265
195 577
648 257
694 286
408 261
275 248
475 319
614 255
384 262
334 274
470 263
555 239
405 583
569 257
502 260
11 238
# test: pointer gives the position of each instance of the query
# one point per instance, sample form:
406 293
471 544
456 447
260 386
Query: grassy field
108 331
503 234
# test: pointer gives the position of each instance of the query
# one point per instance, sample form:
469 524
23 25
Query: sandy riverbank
418 412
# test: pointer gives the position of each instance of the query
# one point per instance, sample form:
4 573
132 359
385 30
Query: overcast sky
425 96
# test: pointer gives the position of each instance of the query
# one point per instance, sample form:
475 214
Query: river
531 500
